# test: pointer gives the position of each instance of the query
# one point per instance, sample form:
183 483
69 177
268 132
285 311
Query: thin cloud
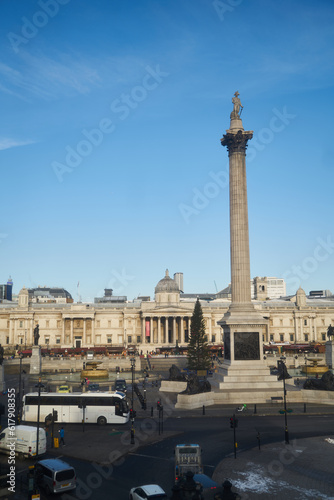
48 78
6 143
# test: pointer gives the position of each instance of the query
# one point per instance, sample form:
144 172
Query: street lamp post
305 357
282 376
19 395
144 387
133 363
39 386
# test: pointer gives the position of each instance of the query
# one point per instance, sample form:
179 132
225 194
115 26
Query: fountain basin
95 374
314 368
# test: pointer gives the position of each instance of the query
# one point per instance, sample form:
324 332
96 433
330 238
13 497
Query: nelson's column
244 367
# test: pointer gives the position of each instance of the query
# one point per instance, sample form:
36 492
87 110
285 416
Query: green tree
198 350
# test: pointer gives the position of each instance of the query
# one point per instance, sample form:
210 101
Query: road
155 463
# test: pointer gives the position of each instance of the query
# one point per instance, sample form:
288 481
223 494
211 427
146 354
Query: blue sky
111 119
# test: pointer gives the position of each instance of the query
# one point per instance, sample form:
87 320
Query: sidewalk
301 470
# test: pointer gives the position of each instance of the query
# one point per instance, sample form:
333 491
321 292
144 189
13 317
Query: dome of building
300 297
167 284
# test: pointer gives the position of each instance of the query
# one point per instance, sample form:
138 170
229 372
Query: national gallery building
160 324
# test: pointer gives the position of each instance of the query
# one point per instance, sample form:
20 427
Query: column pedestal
330 353
36 360
244 368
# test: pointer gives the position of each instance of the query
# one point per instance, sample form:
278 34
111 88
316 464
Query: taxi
64 389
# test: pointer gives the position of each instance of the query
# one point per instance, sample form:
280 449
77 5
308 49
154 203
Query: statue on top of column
237 106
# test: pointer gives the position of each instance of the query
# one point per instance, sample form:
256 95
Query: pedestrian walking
62 435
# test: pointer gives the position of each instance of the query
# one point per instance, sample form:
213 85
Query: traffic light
132 414
232 423
158 405
55 415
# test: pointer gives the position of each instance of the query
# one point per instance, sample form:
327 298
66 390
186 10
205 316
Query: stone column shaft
143 330
159 330
236 143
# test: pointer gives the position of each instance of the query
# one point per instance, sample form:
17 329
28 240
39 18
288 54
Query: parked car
94 387
148 492
64 389
120 385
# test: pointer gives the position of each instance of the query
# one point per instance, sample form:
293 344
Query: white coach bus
101 408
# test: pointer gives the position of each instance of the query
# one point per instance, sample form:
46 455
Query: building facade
155 324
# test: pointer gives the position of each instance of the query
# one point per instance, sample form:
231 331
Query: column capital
236 142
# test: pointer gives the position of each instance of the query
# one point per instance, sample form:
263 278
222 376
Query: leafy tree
198 350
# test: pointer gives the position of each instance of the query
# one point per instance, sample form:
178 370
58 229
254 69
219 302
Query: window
213 338
291 337
21 324
271 337
281 337
58 340
323 336
305 322
47 341
21 340
108 340
64 475
306 337
7 340
138 339
129 339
